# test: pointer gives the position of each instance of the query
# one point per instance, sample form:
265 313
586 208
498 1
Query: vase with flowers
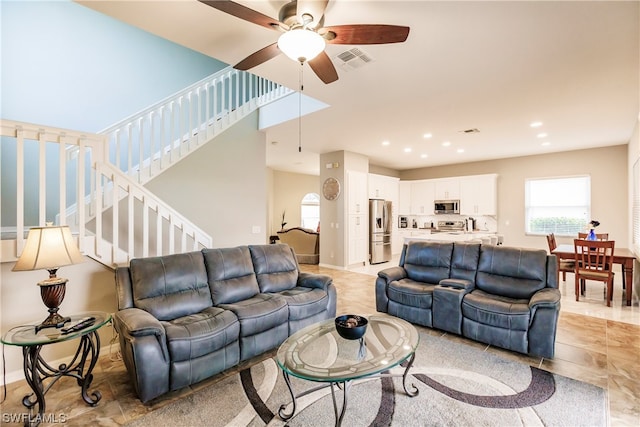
592 230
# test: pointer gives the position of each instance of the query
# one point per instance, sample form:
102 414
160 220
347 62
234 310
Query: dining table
622 256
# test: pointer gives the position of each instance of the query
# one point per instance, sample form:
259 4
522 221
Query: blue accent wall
68 66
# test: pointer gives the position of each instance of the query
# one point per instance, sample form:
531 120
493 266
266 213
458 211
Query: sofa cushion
170 286
198 334
305 302
411 293
275 266
428 262
511 272
496 310
260 313
231 275
464 261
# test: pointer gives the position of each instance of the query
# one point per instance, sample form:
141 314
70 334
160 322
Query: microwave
446 206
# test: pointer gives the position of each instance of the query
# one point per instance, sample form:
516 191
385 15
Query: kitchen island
451 236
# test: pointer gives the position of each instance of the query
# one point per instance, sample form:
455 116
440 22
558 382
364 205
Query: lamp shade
301 45
48 248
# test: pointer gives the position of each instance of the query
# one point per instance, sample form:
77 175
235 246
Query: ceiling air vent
474 130
352 59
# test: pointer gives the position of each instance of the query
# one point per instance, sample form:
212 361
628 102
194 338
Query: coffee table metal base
345 386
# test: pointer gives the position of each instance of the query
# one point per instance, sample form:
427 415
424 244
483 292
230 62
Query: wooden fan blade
258 57
314 8
323 67
367 34
243 12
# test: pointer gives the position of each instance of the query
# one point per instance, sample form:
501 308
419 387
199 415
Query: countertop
453 236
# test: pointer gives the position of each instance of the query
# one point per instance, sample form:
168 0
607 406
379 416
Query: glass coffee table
317 353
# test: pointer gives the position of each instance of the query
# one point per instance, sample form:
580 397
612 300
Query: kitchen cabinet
447 189
357 206
358 239
383 187
404 198
397 243
478 195
422 196
357 197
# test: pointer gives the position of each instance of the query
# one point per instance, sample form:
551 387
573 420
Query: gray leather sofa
498 295
183 318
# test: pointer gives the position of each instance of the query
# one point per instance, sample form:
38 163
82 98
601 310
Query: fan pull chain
300 77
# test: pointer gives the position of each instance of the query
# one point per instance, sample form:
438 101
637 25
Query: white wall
287 191
609 181
222 186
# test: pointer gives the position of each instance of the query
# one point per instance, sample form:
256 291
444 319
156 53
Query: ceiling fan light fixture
301 45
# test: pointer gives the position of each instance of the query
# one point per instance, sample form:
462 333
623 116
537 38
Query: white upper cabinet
478 195
383 187
358 202
404 204
422 196
447 189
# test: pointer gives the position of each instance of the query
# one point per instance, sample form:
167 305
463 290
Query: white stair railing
98 177
70 165
169 130
144 225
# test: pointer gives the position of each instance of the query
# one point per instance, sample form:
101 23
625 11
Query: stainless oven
446 206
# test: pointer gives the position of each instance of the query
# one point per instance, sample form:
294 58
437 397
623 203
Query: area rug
458 385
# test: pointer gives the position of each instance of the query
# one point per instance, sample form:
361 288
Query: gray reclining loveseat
503 296
183 318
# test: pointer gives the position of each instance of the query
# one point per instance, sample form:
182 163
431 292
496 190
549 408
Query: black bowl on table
351 326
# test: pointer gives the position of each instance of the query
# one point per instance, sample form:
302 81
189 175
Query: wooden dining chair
565 265
599 236
594 261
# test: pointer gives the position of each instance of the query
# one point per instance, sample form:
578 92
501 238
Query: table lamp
50 248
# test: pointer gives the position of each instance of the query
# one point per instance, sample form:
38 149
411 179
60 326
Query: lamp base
53 321
52 292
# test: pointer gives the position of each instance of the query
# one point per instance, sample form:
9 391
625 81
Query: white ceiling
494 66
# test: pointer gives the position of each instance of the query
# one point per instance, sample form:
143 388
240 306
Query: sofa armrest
137 323
393 273
467 285
544 306
545 298
144 351
315 281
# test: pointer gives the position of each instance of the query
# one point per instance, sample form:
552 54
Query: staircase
95 182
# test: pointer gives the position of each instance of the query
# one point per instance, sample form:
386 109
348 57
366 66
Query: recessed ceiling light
545 144
535 124
407 150
541 135
423 156
427 135
446 144
460 150
385 143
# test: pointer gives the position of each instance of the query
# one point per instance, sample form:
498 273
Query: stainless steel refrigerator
379 231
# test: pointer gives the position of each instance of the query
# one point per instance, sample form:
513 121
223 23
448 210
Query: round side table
37 370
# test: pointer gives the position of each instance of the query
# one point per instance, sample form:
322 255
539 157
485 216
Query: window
310 211
557 205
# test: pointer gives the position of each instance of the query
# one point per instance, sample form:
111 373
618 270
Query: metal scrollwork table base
37 371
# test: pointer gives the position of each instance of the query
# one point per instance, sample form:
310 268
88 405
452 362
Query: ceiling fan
305 36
